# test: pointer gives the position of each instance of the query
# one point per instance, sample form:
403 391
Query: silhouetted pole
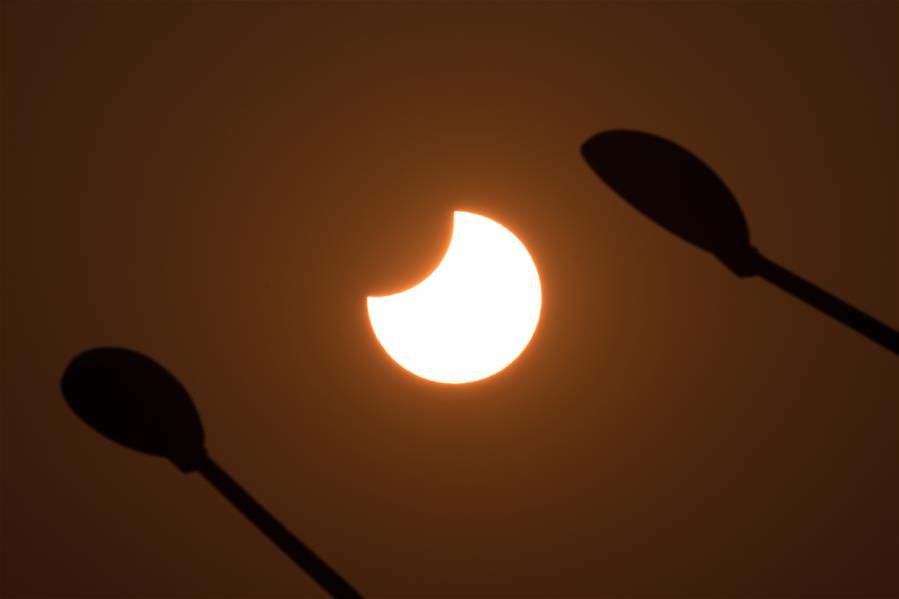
134 401
302 556
836 308
679 192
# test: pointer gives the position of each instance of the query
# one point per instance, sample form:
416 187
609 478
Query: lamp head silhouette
134 401
676 190
129 398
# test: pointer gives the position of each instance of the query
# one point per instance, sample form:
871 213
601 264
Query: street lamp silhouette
134 401
676 190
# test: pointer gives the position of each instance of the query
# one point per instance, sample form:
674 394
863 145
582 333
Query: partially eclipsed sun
472 316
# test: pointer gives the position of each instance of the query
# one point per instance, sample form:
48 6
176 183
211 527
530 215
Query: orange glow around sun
472 316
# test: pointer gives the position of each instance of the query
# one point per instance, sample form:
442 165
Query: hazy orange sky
221 185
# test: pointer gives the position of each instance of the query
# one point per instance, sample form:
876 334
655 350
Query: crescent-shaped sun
472 316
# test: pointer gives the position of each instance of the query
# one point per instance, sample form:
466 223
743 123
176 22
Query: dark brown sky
220 185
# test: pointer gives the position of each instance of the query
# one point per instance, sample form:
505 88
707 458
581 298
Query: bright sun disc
472 316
